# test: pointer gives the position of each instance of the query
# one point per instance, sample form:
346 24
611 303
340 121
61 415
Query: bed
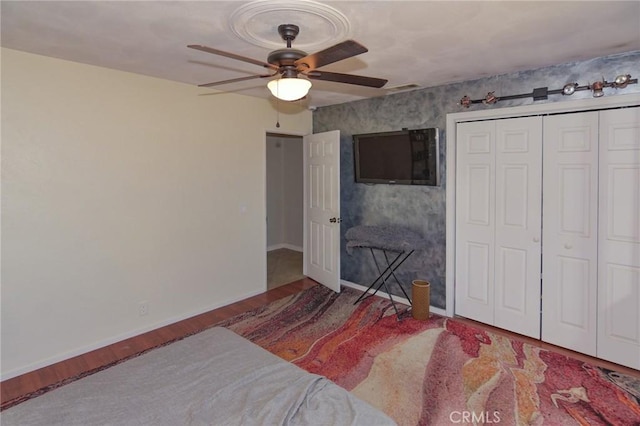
215 377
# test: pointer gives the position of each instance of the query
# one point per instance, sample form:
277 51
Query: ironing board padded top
384 237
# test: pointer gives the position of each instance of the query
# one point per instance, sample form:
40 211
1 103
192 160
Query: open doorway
284 193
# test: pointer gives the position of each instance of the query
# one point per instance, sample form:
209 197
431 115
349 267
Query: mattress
212 378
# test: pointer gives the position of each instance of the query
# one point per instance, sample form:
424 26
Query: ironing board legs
385 275
394 275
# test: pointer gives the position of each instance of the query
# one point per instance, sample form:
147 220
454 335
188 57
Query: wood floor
29 383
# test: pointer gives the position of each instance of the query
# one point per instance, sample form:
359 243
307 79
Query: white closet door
570 209
475 220
518 224
498 192
619 237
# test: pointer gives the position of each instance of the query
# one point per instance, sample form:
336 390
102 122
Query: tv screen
405 157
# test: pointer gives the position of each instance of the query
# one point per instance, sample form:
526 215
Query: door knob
568 246
536 239
334 220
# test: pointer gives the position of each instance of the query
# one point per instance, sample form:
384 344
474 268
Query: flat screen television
404 157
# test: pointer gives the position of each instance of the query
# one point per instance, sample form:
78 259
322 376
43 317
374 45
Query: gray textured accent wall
422 208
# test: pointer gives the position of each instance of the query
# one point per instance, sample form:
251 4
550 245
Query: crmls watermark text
472 417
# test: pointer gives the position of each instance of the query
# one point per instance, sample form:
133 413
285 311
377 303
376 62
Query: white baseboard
434 309
115 339
118 338
286 246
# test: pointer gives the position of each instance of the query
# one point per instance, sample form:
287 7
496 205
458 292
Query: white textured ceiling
427 43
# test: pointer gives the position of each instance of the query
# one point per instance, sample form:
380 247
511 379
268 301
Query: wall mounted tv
405 157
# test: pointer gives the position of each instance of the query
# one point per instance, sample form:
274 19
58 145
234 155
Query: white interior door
570 225
518 224
498 197
619 237
475 220
322 208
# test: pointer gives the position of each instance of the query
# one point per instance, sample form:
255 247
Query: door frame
268 132
453 119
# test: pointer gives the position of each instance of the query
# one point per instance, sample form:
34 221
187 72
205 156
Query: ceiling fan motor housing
288 32
284 57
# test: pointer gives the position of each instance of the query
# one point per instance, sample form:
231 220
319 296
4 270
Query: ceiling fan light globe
289 89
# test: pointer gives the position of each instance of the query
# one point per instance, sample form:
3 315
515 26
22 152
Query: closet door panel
570 187
619 237
475 225
518 224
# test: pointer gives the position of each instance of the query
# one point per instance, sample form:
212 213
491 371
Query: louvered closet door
498 195
570 209
619 237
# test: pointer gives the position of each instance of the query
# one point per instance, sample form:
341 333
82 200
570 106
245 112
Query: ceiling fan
290 63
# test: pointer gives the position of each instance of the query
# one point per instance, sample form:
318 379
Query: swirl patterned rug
436 372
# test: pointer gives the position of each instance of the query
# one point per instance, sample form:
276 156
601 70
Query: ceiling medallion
320 25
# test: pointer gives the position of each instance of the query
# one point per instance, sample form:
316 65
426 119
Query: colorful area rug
436 372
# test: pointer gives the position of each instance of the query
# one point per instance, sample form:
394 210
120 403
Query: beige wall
284 192
119 188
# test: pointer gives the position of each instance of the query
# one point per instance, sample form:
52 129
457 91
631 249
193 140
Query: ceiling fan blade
332 54
232 56
347 78
234 80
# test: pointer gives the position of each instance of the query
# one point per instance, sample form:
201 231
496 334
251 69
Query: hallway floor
283 266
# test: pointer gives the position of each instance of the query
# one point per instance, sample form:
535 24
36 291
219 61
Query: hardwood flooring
29 383
80 365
